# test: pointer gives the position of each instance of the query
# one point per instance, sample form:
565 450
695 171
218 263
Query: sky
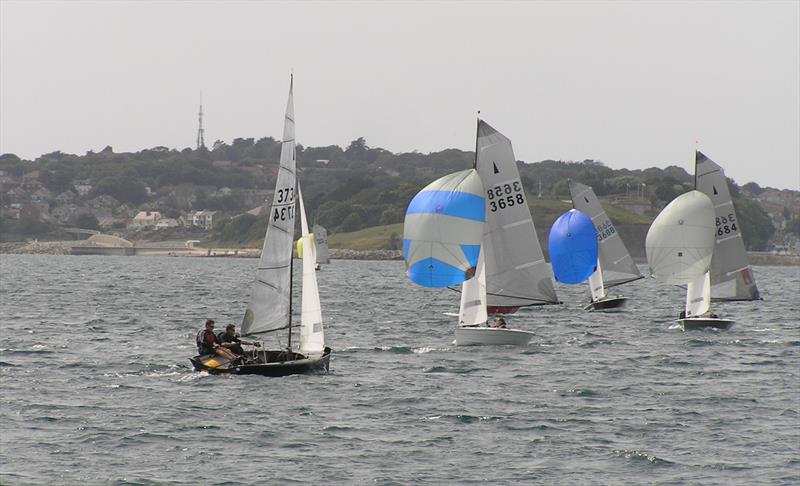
630 84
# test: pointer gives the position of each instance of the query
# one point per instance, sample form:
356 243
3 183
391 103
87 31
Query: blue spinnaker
443 230
573 247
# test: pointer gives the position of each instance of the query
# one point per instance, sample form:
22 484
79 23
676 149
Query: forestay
731 275
443 228
516 271
615 262
680 241
268 307
572 243
312 336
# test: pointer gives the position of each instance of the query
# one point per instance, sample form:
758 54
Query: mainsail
321 238
516 271
443 229
680 241
731 275
312 336
268 307
615 265
572 243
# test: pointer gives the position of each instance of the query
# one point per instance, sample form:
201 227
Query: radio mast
200 141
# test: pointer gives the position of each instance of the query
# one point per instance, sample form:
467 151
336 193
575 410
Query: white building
204 219
144 219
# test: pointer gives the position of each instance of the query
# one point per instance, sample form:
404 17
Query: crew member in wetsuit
230 340
208 343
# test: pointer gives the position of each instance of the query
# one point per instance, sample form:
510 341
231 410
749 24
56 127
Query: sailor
208 343
229 339
499 323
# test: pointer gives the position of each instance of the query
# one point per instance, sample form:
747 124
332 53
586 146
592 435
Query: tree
351 223
125 189
394 242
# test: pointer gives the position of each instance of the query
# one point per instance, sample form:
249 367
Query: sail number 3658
505 196
726 225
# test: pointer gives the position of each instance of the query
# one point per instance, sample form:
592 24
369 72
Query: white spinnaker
731 275
472 311
268 307
321 239
680 241
698 295
618 266
596 283
516 271
312 335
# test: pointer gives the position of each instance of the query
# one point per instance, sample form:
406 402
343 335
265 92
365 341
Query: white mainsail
312 335
268 307
321 240
516 271
472 311
731 275
680 241
617 265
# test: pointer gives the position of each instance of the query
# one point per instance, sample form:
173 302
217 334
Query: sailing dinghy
321 241
454 234
614 264
680 246
269 309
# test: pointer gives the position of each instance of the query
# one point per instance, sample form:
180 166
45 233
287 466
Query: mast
291 274
477 129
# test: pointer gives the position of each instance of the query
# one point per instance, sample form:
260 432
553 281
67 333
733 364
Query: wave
643 457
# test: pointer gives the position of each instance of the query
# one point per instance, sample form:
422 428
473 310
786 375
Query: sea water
97 388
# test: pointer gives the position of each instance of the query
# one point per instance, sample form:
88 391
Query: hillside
347 190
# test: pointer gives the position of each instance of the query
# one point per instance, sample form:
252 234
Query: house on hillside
203 219
83 188
65 197
41 195
145 219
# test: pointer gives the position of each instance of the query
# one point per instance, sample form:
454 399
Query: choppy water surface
97 388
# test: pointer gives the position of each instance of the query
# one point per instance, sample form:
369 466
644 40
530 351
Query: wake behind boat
269 309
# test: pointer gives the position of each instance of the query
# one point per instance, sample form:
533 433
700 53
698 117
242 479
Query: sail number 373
285 197
505 196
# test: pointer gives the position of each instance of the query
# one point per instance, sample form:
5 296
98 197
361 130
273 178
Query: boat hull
274 365
693 323
609 304
488 336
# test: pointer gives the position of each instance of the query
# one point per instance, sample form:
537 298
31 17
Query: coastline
86 247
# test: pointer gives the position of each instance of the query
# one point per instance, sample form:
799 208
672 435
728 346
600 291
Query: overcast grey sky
632 84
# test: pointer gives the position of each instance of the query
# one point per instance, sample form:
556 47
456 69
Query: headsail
312 336
443 229
472 311
321 237
516 271
573 247
731 275
616 263
268 307
680 241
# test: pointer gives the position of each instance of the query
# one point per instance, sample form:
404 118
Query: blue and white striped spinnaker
443 230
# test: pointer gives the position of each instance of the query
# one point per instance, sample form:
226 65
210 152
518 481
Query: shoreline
85 247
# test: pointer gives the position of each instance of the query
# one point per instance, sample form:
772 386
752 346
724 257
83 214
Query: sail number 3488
507 195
